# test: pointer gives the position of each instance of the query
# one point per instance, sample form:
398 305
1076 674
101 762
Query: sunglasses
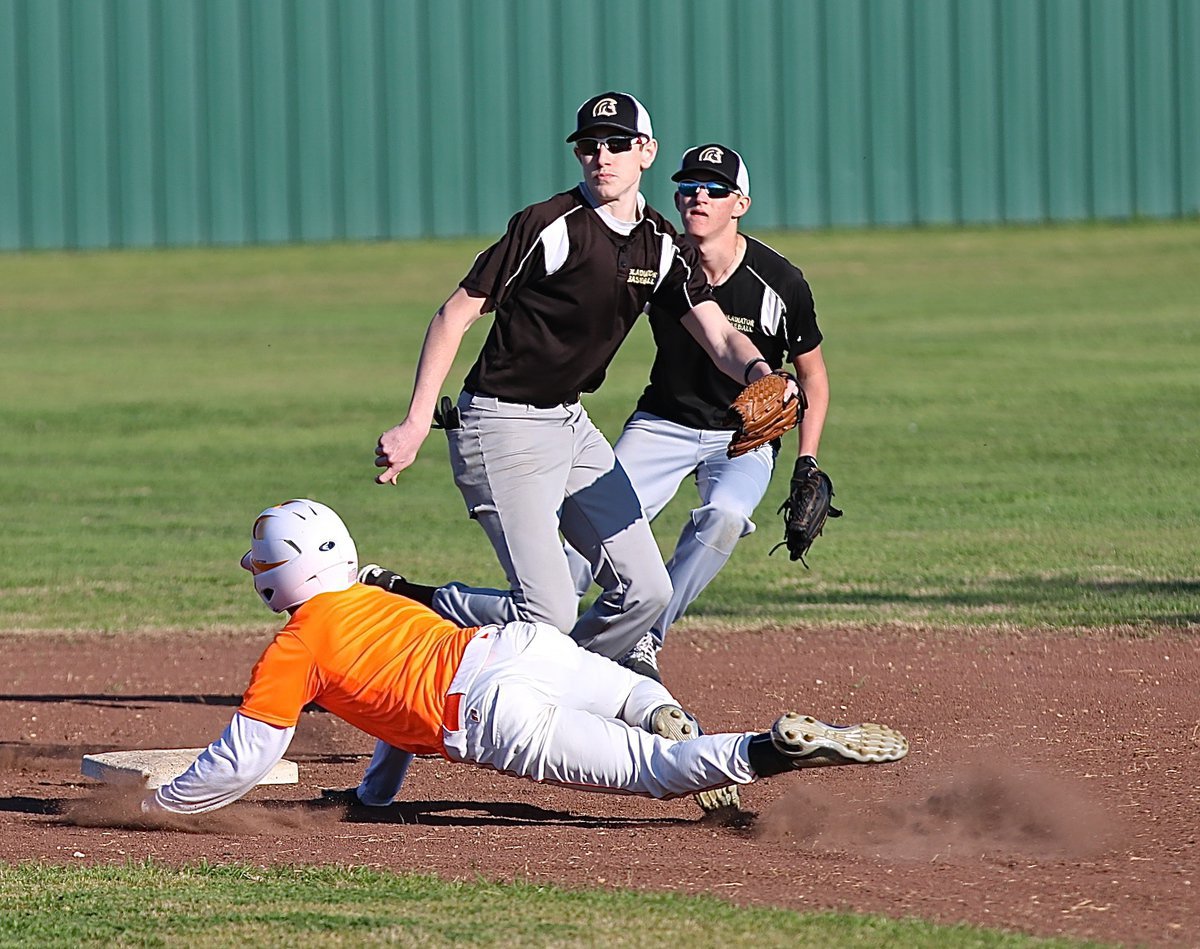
715 189
616 144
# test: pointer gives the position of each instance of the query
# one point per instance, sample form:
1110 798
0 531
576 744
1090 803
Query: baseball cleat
643 659
806 742
376 576
670 721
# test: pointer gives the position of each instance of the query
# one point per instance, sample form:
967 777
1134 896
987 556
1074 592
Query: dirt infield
1053 786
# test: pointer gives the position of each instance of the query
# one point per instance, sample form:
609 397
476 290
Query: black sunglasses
715 189
616 144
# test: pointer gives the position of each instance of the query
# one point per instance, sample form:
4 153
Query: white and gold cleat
670 721
807 743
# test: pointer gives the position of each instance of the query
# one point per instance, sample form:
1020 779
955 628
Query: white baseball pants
529 702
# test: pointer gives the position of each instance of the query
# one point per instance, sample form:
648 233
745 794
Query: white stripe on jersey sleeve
666 255
772 310
771 315
560 243
556 244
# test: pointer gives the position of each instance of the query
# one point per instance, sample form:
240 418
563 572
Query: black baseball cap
618 110
714 162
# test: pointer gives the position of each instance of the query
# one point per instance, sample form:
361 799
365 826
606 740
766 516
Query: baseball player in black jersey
680 427
566 283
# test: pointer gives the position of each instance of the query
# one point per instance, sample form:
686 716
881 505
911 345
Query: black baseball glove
804 510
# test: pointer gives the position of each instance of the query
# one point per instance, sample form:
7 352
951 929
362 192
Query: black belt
537 405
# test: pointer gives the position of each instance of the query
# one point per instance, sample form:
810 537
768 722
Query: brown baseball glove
763 411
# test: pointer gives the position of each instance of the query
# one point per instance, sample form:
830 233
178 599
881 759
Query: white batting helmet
300 548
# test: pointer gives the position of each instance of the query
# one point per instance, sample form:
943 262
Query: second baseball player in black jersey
767 299
680 428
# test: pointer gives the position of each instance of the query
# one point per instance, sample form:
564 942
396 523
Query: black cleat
376 576
643 659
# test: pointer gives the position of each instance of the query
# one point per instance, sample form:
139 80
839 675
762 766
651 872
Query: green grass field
147 905
1012 433
1012 438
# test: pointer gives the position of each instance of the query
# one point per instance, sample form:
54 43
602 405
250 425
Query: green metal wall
161 122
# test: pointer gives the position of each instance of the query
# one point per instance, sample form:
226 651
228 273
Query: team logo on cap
606 106
712 154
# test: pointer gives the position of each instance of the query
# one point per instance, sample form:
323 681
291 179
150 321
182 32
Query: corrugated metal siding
159 122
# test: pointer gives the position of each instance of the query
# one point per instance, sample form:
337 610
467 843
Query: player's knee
655 591
720 527
641 591
647 591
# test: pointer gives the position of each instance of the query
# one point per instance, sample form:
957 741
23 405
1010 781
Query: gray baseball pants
526 473
657 455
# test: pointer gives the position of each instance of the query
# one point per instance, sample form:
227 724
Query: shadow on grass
1159 602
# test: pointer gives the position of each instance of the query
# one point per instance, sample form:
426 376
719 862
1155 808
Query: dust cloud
120 807
981 811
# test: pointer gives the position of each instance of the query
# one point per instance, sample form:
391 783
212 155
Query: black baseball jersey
567 289
766 298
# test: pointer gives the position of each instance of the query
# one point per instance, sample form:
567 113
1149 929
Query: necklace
738 253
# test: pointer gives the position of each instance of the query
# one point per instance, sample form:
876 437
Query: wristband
750 365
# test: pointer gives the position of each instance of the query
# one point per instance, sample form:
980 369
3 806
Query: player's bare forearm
398 446
813 377
442 341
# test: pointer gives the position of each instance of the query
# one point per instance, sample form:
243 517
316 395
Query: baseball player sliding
681 425
520 698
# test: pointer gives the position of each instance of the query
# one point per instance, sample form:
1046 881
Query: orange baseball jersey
381 662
